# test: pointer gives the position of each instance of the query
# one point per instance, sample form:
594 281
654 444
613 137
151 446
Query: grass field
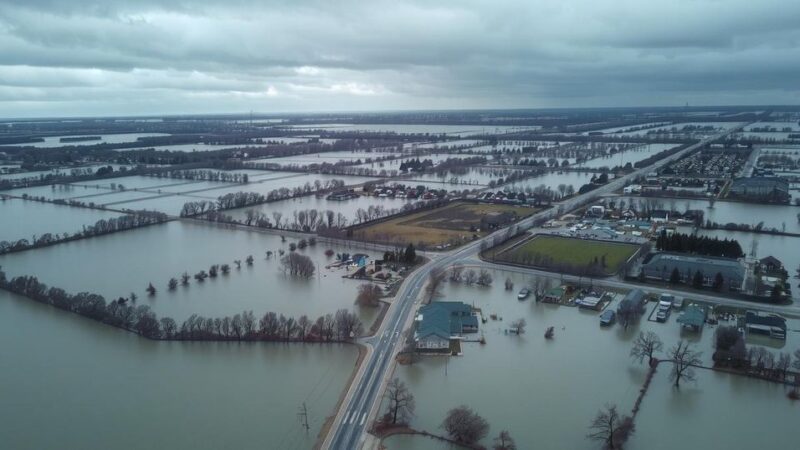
569 254
447 226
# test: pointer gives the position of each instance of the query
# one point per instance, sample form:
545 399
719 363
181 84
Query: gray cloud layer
123 57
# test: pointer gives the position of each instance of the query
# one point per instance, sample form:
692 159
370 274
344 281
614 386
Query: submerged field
570 254
117 264
76 384
448 225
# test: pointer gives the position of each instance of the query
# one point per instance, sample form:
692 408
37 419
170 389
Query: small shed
693 318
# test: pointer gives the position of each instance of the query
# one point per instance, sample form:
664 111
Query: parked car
608 318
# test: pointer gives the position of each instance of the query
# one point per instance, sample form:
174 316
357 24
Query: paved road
364 395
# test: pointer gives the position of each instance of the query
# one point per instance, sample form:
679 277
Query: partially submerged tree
645 346
464 425
485 278
684 358
369 295
435 280
400 403
504 441
509 284
173 283
151 290
610 428
519 325
298 265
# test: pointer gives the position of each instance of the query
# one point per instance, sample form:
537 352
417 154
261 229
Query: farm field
442 227
571 254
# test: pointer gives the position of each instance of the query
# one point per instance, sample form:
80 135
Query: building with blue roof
438 323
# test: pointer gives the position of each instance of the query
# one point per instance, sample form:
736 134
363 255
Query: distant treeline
203 175
103 226
699 245
342 326
242 199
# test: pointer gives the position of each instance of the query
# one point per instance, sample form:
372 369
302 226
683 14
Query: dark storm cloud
172 56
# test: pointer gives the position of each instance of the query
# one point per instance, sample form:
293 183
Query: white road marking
348 417
363 418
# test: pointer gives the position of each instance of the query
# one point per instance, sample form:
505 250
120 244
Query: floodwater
773 216
546 392
632 156
22 219
553 179
69 383
718 411
54 141
117 264
346 207
407 442
454 130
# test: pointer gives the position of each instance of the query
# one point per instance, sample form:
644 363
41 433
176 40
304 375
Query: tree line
103 226
342 326
243 199
204 175
699 245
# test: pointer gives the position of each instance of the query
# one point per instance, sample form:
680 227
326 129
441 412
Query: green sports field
569 254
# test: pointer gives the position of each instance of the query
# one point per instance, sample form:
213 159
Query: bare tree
645 345
369 295
509 284
519 325
504 441
464 425
610 428
401 405
485 278
435 280
683 359
470 277
298 265
456 272
782 365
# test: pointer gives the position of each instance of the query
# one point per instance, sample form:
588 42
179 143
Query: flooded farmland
78 384
156 253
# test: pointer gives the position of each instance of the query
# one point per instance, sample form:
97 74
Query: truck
664 309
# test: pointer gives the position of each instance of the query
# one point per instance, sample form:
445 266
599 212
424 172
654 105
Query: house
438 323
693 318
659 216
771 325
632 189
771 264
554 295
772 189
659 266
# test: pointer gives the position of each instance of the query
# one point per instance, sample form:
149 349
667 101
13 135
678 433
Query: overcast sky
115 57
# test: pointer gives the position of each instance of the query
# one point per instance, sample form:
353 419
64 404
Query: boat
549 333
523 294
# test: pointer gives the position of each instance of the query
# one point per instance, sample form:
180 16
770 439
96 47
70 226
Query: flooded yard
546 392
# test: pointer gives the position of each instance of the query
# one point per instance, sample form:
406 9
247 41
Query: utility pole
303 416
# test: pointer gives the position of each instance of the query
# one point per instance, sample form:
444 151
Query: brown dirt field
448 224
